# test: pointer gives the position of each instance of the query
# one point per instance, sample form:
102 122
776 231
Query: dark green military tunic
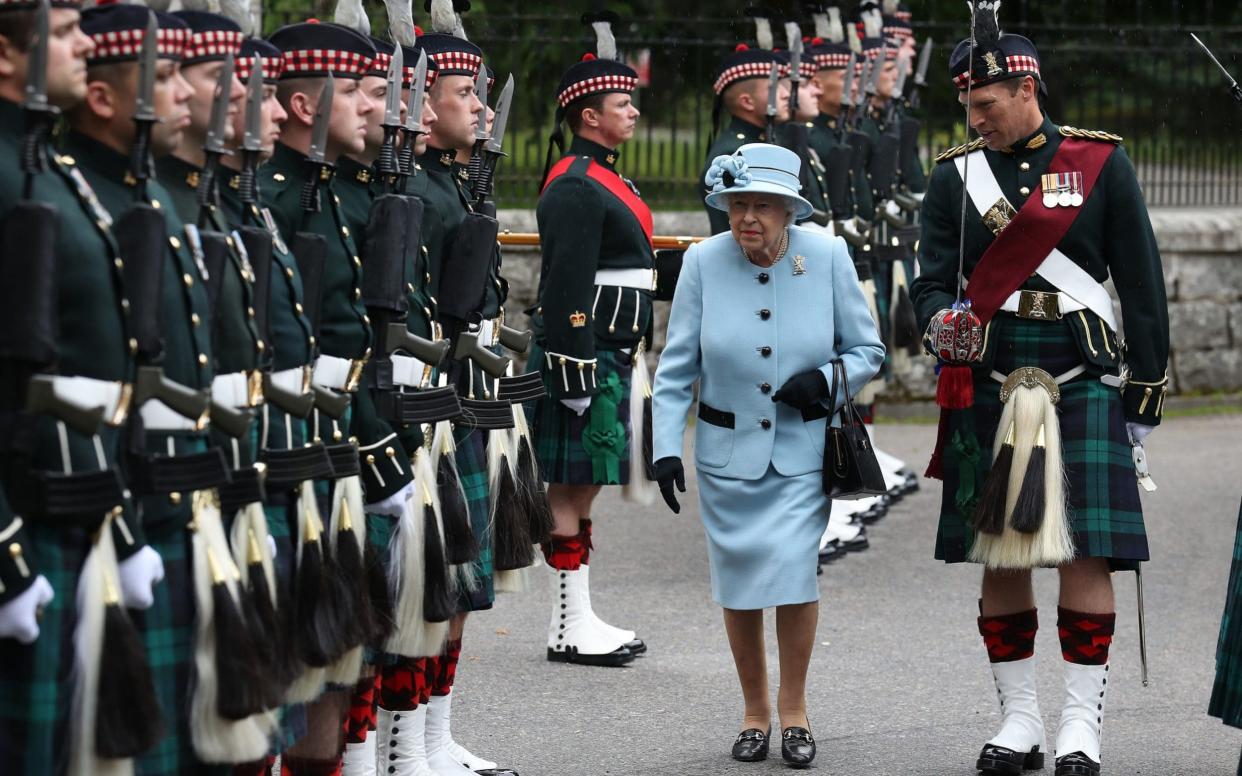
827 134
736 134
169 625
1111 238
376 436
36 681
236 344
587 332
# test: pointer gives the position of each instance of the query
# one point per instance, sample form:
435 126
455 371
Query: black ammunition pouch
384 253
520 389
142 239
287 468
310 250
247 487
485 415
465 277
344 459
162 474
28 289
414 407
79 499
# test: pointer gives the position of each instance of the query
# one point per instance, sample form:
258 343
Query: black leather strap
426 406
77 499
344 459
246 488
521 388
709 414
486 415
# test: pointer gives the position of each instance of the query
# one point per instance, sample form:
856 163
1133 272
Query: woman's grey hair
790 206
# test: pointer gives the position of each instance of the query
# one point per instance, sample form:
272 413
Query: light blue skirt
763 537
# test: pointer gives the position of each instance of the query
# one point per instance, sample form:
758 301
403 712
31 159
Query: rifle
795 131
141 234
1234 88
774 81
413 122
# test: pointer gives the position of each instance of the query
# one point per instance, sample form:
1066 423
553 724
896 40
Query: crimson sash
617 187
1031 235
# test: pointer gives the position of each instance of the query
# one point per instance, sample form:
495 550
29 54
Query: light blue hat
761 168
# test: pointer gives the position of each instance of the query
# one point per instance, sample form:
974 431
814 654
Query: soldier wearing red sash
1042 406
595 291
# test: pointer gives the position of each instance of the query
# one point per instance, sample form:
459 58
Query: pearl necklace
780 250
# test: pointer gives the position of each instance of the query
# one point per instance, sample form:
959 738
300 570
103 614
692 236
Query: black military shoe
797 747
618 657
877 510
999 761
858 543
831 551
751 745
637 646
1077 764
497 772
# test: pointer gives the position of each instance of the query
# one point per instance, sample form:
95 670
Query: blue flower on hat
726 172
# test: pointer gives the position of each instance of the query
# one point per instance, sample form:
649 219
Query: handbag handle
847 411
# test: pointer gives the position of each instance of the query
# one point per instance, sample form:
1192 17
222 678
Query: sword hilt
475 168
310 195
247 183
386 163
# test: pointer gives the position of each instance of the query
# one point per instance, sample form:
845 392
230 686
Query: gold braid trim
1091 134
957 151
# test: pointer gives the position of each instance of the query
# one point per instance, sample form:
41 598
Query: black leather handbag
851 470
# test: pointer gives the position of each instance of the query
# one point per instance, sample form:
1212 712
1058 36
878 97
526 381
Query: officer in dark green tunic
596 287
313 52
46 547
742 91
1053 338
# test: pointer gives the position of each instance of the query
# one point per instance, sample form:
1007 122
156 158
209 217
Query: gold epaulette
957 151
1091 134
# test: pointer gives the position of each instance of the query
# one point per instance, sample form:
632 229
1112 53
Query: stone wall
1202 254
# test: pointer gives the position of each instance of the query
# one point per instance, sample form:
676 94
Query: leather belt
430 405
158 416
344 459
238 390
87 392
521 388
486 415
1041 305
246 488
409 371
161 474
295 380
709 414
339 374
79 498
287 468
642 279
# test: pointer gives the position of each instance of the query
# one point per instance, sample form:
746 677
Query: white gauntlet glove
19 618
394 505
140 573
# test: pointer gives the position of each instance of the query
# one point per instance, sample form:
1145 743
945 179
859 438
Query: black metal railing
1136 73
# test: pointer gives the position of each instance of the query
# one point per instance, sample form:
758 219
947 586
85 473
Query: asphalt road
899 682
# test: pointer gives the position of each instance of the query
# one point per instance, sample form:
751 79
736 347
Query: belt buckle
1039 305
124 397
254 388
655 279
355 375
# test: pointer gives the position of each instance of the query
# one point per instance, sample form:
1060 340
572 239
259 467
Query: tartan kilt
556 430
36 680
1104 511
472 471
1226 700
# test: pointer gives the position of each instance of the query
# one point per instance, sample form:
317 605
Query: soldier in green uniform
1040 329
741 89
47 545
311 54
596 287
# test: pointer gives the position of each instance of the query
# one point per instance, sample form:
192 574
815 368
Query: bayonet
316 154
39 113
903 71
144 108
920 75
1234 89
252 140
387 161
413 119
774 81
501 122
492 148
847 92
475 168
213 146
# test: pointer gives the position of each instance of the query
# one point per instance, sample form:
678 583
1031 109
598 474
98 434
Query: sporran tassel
989 515
460 544
510 532
348 590
1028 512
438 604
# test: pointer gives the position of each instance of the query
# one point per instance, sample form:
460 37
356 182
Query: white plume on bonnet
763 33
605 43
890 7
443 19
836 32
238 11
351 14
873 23
855 40
821 24
792 33
400 21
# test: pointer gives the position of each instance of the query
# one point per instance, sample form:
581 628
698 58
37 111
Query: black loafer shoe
910 482
1077 764
858 543
751 745
797 747
832 551
999 761
497 772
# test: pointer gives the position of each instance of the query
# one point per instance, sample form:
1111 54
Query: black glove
668 471
803 390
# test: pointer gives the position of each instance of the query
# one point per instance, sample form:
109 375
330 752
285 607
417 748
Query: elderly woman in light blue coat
760 313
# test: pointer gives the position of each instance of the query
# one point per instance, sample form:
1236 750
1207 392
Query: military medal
1063 193
1075 180
1049 184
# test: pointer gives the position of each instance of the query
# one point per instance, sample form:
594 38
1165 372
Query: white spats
439 717
400 742
572 628
359 759
1022 728
1082 716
